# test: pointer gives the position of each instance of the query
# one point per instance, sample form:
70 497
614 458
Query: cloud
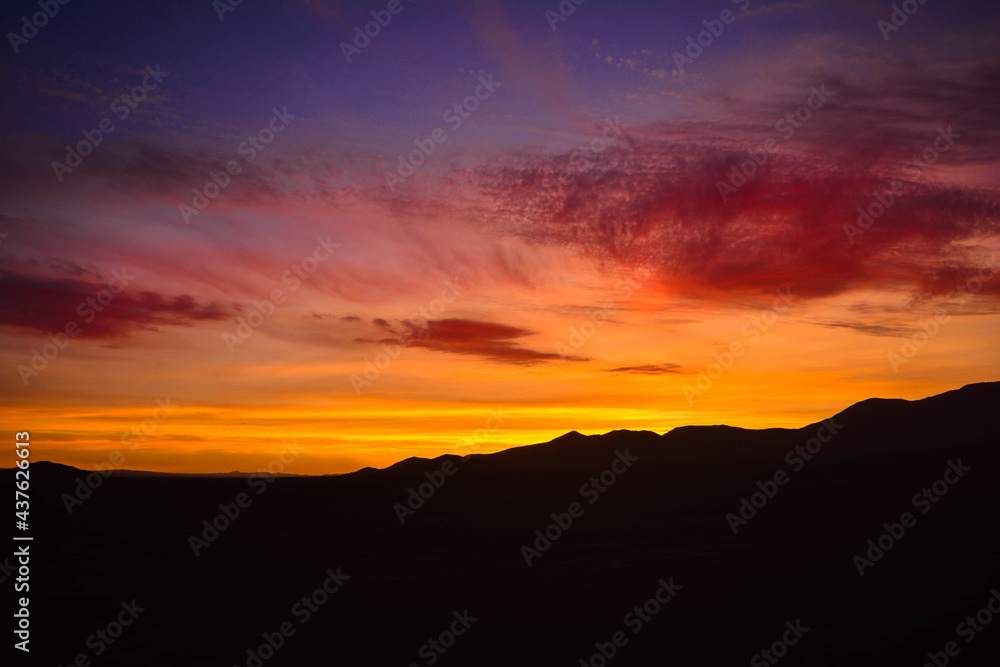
46 306
493 342
955 280
654 199
141 167
891 330
650 199
651 369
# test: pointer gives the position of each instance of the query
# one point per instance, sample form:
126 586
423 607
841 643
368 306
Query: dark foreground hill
636 515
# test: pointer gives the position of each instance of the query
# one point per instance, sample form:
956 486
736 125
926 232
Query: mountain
748 533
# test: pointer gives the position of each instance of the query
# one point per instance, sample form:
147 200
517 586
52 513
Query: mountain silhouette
665 521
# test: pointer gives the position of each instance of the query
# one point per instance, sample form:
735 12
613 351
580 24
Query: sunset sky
655 277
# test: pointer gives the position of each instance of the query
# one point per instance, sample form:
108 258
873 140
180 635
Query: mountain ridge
874 415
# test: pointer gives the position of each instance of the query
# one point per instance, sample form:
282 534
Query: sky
232 232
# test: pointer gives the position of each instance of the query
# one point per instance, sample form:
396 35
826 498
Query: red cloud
494 342
102 310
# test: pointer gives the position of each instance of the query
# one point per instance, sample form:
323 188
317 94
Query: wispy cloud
491 341
651 369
